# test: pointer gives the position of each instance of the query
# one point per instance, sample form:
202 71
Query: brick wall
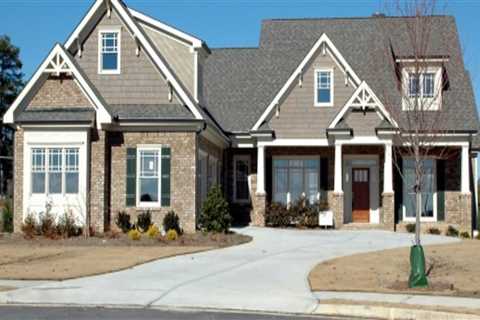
18 181
99 175
59 92
183 174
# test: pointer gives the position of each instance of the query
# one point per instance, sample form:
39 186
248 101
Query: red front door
360 195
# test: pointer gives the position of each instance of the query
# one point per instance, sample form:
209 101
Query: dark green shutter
398 189
166 160
441 190
323 177
131 190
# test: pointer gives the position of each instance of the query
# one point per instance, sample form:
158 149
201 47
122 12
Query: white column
338 168
387 169
465 170
260 170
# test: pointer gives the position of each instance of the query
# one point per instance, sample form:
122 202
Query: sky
36 25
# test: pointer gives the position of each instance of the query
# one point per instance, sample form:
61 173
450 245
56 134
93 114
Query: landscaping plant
134 234
452 231
153 231
66 226
215 216
48 226
144 221
411 227
434 231
465 235
172 235
29 227
122 220
172 221
7 216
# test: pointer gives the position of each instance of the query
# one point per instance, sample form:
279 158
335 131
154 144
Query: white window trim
434 103
294 157
323 104
116 30
146 205
235 158
435 198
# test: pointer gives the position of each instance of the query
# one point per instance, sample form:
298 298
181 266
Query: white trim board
359 93
103 116
324 39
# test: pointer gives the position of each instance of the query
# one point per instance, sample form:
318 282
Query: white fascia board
294 142
102 114
90 14
195 42
381 107
156 59
337 55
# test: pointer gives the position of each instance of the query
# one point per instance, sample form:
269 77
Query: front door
361 195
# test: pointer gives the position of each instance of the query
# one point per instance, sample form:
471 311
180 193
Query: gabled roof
90 20
57 62
363 98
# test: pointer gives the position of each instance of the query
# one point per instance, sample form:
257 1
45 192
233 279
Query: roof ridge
351 18
234 48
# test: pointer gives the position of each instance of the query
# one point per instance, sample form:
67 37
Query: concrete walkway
409 299
268 274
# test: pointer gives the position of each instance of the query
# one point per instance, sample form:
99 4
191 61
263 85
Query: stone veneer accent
18 180
99 172
59 92
388 211
336 205
458 210
259 203
183 174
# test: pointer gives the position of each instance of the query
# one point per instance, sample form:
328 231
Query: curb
391 313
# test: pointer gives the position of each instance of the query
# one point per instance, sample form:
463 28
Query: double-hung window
54 171
109 52
294 178
428 190
423 89
323 87
148 183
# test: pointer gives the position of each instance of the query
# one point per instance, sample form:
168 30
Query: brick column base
336 205
388 211
259 204
98 181
465 205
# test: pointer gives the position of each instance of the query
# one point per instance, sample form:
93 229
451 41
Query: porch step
362 226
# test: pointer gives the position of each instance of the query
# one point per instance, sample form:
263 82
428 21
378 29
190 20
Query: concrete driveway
267 274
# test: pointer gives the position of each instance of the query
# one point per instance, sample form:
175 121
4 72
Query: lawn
453 270
44 259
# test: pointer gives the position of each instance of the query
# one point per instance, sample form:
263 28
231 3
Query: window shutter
398 187
441 190
166 160
131 185
324 174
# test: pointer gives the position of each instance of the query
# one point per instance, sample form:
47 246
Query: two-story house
132 114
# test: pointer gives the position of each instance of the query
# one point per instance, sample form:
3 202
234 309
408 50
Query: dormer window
423 89
323 87
109 52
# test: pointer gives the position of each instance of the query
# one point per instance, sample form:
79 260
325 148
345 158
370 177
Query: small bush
48 226
7 216
29 227
134 234
144 221
215 216
465 235
434 231
172 221
66 226
172 235
153 231
122 220
478 236
411 227
452 231
277 215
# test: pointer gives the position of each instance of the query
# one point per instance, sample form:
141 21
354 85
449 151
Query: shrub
47 225
304 214
434 231
29 227
144 221
67 227
172 235
134 234
452 232
172 221
122 220
215 216
7 216
465 235
153 231
277 215
478 236
411 227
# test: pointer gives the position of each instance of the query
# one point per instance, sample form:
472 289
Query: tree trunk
418 200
